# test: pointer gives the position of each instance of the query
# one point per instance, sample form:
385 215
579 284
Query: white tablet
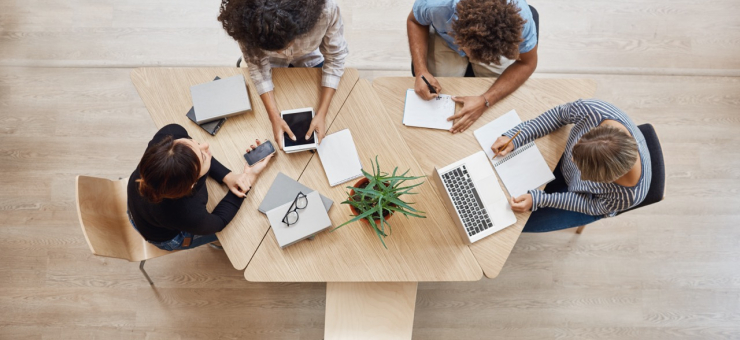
299 120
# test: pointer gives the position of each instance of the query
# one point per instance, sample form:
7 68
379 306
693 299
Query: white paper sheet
431 114
339 157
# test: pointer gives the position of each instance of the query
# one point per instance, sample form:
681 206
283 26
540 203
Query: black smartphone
259 153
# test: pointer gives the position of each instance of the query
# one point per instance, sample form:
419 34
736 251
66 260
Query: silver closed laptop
473 197
220 98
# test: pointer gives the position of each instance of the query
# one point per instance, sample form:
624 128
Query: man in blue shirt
497 37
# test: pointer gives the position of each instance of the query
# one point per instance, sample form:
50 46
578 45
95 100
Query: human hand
253 172
501 141
279 126
522 203
318 124
473 108
421 88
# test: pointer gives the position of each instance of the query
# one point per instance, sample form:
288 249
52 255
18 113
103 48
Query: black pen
431 88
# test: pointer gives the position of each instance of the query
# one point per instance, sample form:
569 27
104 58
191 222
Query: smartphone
259 153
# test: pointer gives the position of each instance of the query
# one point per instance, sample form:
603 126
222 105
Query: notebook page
526 169
339 157
431 114
523 169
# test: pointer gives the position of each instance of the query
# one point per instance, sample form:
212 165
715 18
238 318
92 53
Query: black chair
469 70
656 191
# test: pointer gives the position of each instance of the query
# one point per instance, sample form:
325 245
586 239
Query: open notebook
431 114
521 170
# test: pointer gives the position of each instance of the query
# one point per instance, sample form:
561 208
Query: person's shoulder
435 8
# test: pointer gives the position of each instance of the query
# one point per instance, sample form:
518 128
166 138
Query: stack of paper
339 157
431 114
523 169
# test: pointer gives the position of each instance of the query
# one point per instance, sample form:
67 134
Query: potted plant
376 197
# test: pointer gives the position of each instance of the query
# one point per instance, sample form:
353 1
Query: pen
431 89
507 144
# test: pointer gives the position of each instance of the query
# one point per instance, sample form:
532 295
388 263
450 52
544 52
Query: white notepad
431 114
339 157
523 169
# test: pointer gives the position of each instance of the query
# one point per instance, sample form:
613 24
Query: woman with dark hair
167 192
288 33
605 168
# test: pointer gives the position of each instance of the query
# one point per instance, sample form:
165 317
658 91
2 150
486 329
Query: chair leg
580 229
141 266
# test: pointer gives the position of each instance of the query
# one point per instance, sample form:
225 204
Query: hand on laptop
521 204
500 142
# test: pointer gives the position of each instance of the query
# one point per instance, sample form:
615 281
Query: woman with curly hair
288 33
498 38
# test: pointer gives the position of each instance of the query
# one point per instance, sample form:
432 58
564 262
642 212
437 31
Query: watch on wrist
487 103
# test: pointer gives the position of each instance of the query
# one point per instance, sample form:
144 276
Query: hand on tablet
318 124
278 127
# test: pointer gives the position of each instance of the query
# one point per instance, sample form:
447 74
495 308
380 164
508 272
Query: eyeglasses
300 202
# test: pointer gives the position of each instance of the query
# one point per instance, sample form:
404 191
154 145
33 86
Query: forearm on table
418 43
268 99
327 93
511 79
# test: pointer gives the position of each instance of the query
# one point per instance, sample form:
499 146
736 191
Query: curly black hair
489 29
268 25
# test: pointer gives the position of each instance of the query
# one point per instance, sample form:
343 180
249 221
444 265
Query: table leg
369 310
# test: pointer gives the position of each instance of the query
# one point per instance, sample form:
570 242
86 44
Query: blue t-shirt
441 13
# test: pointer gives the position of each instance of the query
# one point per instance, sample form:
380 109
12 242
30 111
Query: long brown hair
168 170
604 154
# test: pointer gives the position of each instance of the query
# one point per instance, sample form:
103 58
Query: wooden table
438 148
166 94
371 291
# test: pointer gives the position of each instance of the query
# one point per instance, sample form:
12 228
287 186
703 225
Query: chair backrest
657 183
101 207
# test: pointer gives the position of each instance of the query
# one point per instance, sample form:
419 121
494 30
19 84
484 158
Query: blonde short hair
605 154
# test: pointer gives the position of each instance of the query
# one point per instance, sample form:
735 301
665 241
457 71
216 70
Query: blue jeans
179 241
551 219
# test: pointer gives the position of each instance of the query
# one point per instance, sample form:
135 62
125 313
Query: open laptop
473 197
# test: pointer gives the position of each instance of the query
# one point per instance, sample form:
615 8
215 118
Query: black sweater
164 220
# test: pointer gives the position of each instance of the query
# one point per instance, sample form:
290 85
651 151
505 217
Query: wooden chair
656 192
101 207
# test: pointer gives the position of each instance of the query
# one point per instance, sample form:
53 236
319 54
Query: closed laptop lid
220 98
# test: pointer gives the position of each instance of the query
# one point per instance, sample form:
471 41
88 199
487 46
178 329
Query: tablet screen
299 123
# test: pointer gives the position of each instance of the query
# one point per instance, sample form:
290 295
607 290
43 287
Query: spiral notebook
523 169
339 157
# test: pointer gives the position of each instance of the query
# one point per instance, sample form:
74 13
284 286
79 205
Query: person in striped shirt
605 168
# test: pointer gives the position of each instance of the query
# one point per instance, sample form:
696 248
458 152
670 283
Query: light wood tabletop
427 249
166 94
438 148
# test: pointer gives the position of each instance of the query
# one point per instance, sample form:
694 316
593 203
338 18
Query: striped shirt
583 196
324 42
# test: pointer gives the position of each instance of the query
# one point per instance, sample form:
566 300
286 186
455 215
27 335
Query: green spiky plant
380 197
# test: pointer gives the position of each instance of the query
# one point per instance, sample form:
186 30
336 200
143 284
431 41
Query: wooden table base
369 310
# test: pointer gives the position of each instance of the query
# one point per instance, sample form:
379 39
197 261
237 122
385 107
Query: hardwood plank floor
668 271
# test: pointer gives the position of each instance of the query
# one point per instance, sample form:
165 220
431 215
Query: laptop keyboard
466 201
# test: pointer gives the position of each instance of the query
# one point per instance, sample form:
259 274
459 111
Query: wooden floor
67 107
